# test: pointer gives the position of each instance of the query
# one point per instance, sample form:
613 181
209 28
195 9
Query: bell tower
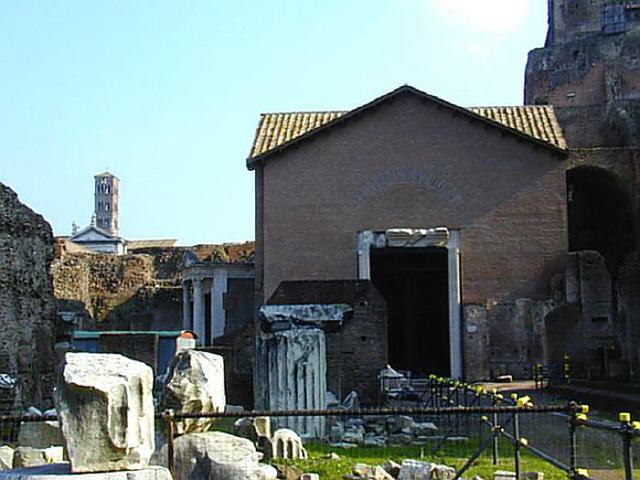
107 203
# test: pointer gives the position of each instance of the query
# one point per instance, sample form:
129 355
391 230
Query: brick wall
318 196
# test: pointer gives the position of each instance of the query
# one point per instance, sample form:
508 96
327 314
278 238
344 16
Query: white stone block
6 457
194 384
62 471
217 456
415 470
105 405
285 443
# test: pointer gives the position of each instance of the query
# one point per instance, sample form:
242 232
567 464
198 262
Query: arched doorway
600 215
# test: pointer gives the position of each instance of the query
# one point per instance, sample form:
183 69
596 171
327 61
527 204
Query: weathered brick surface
137 291
142 347
591 78
570 19
26 303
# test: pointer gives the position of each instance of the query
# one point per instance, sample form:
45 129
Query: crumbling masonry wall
591 77
127 292
27 311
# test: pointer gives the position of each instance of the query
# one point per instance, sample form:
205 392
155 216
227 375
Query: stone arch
600 214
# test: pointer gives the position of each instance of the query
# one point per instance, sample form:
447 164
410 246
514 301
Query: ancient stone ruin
194 384
27 315
105 406
113 394
291 366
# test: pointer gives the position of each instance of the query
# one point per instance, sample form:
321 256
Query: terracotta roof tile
275 129
536 121
155 243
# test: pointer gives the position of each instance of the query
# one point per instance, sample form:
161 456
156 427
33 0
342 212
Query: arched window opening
600 215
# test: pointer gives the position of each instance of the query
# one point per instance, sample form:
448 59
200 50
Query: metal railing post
573 446
516 444
627 454
627 449
495 447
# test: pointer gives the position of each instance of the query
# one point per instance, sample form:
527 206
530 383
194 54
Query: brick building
453 214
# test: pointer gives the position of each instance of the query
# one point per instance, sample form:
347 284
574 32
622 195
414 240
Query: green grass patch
224 424
452 455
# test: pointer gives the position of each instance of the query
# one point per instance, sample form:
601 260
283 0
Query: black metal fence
475 431
502 428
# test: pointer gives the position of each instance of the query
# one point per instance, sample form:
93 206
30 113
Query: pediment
90 234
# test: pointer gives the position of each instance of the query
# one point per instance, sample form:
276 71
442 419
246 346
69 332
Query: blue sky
167 94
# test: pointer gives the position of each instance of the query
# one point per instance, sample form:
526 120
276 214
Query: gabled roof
277 131
92 228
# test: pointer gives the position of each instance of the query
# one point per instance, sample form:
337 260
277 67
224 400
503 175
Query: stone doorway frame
427 237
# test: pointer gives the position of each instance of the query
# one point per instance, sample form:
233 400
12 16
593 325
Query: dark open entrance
415 285
600 215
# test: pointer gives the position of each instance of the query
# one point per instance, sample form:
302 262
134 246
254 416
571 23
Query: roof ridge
310 112
297 112
515 106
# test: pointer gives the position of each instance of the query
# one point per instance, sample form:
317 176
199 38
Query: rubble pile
409 470
381 431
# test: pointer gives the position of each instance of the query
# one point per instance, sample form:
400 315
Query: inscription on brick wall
427 180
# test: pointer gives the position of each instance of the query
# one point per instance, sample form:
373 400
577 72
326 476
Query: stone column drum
105 405
291 374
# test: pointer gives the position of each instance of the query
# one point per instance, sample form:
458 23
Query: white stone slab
60 471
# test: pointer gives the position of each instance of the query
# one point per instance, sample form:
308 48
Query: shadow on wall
149 308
